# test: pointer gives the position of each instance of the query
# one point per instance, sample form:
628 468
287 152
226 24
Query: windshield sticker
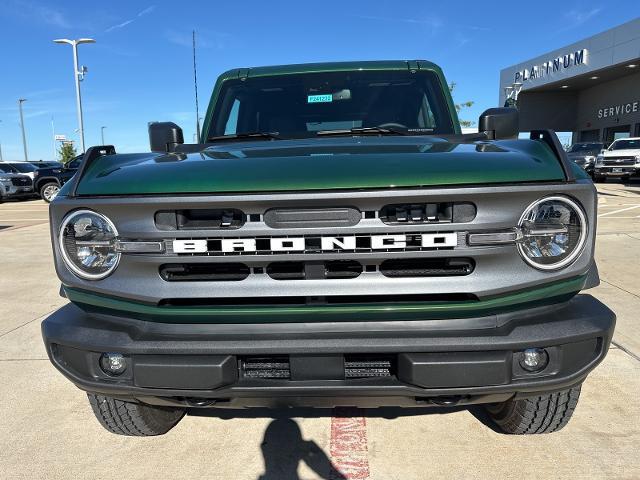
324 98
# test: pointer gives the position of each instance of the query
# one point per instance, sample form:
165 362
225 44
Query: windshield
300 105
74 163
624 144
5 168
24 167
47 164
585 147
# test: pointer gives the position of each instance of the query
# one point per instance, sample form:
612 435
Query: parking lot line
618 211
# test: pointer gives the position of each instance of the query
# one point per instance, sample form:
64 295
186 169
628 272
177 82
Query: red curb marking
348 446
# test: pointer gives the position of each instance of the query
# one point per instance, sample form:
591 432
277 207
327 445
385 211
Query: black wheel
49 191
133 419
542 414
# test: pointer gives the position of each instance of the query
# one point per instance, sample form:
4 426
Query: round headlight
554 231
88 244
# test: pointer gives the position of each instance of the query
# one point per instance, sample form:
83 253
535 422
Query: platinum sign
563 62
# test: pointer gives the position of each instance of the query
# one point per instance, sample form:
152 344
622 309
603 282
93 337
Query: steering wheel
393 125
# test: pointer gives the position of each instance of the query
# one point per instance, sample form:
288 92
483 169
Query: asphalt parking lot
47 429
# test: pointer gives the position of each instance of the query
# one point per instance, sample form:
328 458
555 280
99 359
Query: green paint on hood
322 164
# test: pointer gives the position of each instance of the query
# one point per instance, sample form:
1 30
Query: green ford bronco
332 240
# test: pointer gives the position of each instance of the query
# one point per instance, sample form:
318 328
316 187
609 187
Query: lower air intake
266 367
363 366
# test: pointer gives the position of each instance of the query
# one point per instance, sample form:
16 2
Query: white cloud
146 10
208 40
434 23
575 18
38 12
141 13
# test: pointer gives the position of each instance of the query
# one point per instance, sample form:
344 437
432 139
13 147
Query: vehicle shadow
283 447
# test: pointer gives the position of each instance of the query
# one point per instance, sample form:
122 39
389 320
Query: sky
140 68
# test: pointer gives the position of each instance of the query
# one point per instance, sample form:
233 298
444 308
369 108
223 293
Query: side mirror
164 136
499 123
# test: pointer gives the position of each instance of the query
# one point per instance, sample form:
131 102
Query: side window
426 118
232 122
75 163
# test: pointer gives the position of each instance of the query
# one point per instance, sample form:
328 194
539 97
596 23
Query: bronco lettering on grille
269 245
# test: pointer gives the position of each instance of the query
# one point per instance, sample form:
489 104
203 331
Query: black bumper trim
73 338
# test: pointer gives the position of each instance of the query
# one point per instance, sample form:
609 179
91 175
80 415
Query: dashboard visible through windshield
304 105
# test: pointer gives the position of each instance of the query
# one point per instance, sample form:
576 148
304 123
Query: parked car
585 154
620 160
25 168
14 184
48 180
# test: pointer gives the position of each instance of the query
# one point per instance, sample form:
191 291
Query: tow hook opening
199 402
450 401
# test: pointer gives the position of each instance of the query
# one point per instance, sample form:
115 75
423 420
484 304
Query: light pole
102 134
24 136
78 74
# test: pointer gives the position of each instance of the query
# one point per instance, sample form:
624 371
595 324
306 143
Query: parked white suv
621 160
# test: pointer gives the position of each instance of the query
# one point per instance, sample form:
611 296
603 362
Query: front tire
49 191
542 414
133 419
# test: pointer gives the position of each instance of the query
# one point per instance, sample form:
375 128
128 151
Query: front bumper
621 171
12 191
451 361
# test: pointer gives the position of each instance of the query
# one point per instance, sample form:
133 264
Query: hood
629 152
322 164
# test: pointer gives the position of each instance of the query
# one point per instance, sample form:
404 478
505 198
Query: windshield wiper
363 130
243 136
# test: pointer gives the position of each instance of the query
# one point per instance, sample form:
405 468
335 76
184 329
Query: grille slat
201 272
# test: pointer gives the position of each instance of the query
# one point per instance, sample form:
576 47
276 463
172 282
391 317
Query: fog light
113 363
534 359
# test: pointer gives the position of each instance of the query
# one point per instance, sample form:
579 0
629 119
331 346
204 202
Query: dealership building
590 88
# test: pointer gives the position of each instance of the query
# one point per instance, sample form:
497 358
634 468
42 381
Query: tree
67 152
460 106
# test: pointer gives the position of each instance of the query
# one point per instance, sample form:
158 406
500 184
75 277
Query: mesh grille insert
427 267
265 367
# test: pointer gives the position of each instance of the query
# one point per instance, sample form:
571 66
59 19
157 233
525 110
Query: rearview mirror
164 136
499 123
